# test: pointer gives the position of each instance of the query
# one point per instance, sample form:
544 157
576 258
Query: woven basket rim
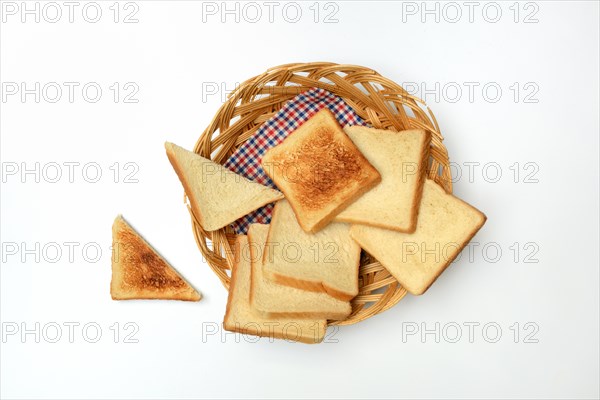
377 100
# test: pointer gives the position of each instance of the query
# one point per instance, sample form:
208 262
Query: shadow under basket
382 103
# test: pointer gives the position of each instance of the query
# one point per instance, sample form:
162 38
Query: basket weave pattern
380 102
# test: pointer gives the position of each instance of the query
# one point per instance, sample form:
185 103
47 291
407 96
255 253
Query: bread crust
421 172
186 186
140 272
276 334
312 286
237 246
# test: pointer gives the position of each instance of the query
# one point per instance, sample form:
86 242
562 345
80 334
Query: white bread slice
217 196
139 272
319 170
274 300
241 317
326 261
401 159
446 224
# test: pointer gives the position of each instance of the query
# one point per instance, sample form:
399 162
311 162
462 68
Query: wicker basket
379 101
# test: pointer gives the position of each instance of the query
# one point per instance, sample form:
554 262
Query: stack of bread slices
342 190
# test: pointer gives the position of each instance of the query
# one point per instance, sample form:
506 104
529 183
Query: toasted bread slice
139 272
319 170
326 261
217 196
241 317
274 300
401 159
446 224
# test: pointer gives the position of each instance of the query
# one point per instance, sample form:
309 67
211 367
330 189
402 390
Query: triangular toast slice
274 300
326 261
139 272
241 317
401 159
217 196
320 170
445 225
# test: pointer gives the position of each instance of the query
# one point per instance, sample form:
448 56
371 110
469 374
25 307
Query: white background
173 56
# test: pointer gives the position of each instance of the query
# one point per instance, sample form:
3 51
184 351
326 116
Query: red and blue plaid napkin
246 159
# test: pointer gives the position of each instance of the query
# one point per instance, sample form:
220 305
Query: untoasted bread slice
139 272
401 159
241 317
326 261
319 170
217 196
446 224
274 300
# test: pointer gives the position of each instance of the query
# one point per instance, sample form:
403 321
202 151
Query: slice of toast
401 159
319 170
326 261
274 300
241 317
139 272
217 196
446 224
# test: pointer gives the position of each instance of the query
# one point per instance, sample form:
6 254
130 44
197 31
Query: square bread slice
326 261
319 170
139 272
401 159
274 300
241 317
446 224
217 196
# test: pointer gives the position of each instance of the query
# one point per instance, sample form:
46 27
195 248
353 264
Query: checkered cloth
246 159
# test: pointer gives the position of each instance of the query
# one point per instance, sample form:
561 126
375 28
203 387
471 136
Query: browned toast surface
139 272
320 170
